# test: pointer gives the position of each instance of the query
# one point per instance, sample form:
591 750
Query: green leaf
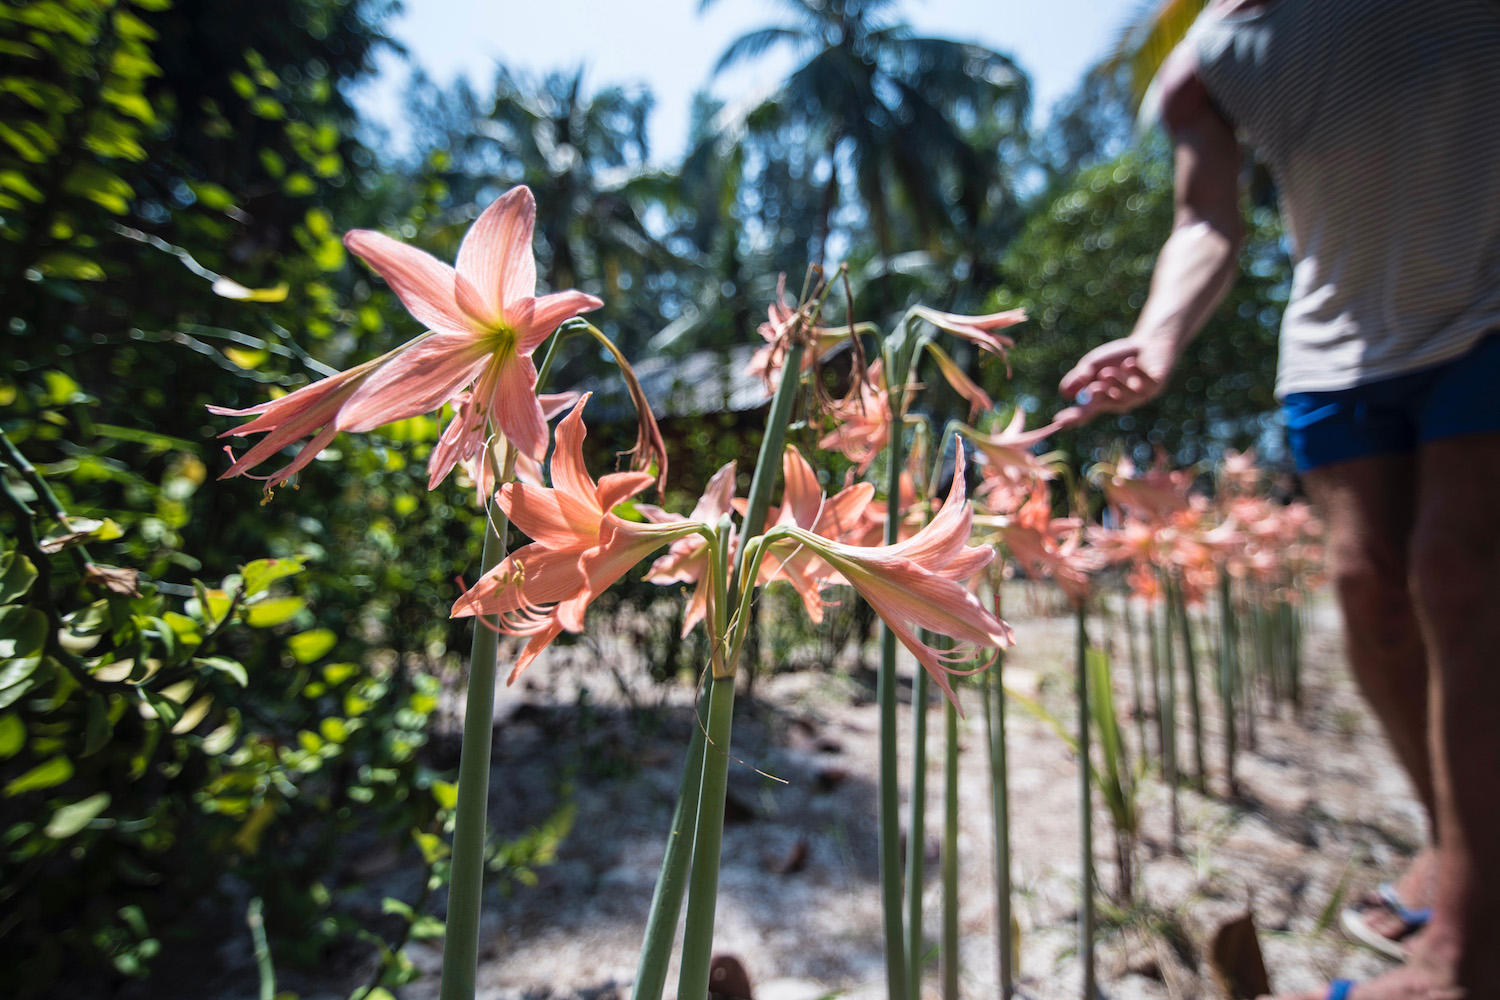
44 775
17 182
165 709
99 727
306 647
103 187
70 819
231 289
76 267
426 927
23 637
12 735
275 611
224 665
299 185
333 729
445 793
392 905
337 673
17 574
261 573
9 696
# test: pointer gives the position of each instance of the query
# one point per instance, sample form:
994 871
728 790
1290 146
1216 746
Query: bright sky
670 47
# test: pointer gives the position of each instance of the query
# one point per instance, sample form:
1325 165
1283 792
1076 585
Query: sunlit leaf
47 774
17 574
265 614
306 647
261 573
231 289
12 735
72 818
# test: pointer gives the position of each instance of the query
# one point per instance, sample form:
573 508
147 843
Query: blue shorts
1397 414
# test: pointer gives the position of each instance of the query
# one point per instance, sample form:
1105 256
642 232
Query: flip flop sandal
1357 928
1339 989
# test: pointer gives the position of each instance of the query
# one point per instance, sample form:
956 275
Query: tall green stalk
916 834
671 883
889 795
708 825
994 724
1137 690
948 952
1169 712
1190 664
703 888
466 880
1153 646
1085 815
1228 677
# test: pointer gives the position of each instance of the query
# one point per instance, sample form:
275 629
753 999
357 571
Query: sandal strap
1413 919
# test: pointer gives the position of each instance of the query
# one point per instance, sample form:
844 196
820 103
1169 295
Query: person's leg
1368 506
1456 585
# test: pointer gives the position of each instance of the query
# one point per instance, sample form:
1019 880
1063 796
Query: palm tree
585 156
1150 37
895 111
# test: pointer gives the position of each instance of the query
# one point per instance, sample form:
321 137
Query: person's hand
1115 377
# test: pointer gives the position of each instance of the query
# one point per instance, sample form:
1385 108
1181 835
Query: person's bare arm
1196 266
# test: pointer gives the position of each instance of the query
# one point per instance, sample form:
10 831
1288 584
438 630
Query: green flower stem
1228 677
889 795
671 884
994 724
1085 816
1158 700
949 949
1137 687
466 882
703 890
916 834
1169 714
768 462
1190 663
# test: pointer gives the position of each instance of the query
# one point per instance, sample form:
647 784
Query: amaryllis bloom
977 330
687 561
578 548
783 322
862 420
1157 495
839 518
918 584
484 319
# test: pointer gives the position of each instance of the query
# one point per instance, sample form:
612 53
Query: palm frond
756 43
1149 37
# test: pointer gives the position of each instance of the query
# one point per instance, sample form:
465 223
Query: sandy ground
1323 814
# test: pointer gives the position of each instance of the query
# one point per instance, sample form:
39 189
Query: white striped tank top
1380 121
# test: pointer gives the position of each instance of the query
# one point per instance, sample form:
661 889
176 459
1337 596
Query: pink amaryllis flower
578 548
862 420
978 330
484 319
918 584
687 561
839 518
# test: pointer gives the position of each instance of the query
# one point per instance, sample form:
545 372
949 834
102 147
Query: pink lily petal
513 404
534 319
495 258
424 284
419 379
